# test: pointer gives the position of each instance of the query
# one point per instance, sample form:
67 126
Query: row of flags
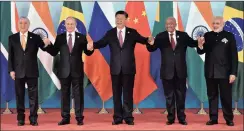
97 72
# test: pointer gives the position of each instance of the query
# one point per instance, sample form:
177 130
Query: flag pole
103 110
137 111
202 111
236 111
7 110
40 110
72 110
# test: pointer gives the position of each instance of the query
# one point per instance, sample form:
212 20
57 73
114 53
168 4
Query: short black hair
121 12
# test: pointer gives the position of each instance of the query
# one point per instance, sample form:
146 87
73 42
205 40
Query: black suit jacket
221 58
172 59
122 58
24 63
70 63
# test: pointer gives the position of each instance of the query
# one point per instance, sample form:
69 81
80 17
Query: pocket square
224 40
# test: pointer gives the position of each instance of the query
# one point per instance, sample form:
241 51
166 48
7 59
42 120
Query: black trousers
123 83
214 86
32 84
78 94
175 94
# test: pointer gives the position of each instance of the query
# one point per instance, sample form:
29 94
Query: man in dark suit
23 68
173 45
71 44
220 69
122 41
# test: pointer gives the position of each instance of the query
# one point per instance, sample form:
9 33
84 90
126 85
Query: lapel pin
128 32
178 36
224 40
30 37
78 36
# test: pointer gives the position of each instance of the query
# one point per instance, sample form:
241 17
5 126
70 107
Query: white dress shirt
174 37
73 38
123 33
26 36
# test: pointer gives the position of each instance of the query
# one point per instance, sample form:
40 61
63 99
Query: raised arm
86 51
140 39
102 42
154 46
189 41
54 49
201 48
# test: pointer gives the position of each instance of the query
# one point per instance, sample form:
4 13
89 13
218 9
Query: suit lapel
177 39
29 38
167 38
126 36
75 43
65 41
17 40
116 37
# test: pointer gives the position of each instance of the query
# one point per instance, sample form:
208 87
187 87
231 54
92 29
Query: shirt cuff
200 47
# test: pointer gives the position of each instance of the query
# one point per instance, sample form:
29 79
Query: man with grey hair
23 68
71 44
221 62
173 45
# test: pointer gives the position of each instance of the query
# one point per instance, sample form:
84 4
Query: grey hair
173 18
70 17
23 17
219 17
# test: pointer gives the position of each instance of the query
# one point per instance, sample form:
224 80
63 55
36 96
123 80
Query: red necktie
172 41
120 38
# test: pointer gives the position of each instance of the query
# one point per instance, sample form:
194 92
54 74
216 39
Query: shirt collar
25 34
123 30
173 33
72 33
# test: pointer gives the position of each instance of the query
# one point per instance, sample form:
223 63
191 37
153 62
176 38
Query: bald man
220 69
23 68
173 45
71 44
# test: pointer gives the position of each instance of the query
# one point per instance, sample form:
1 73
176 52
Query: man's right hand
201 41
90 46
12 74
46 41
151 40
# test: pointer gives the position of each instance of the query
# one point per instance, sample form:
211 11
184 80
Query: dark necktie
70 43
172 41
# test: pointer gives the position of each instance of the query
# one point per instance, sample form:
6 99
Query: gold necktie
23 42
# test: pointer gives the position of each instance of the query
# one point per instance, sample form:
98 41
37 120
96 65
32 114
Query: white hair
70 17
25 18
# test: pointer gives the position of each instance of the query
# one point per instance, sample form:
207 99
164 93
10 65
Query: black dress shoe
183 122
64 122
169 122
230 123
79 123
21 123
34 123
130 123
212 122
117 122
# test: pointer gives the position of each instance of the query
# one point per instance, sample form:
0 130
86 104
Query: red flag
144 84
